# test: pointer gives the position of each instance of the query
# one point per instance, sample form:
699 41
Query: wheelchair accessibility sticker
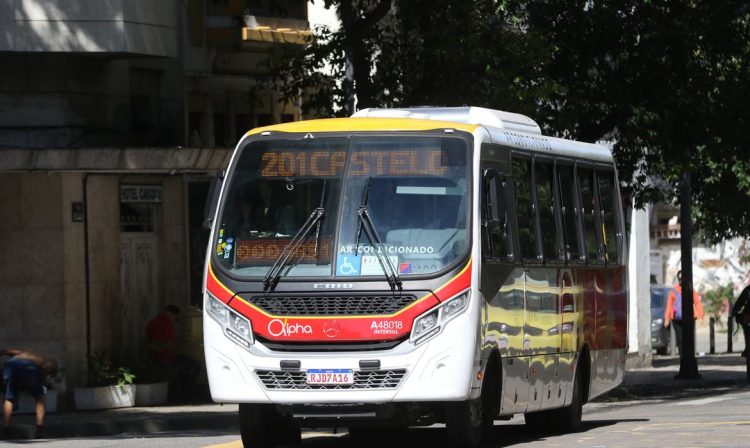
348 264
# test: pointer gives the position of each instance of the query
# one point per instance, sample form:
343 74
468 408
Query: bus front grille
331 305
296 380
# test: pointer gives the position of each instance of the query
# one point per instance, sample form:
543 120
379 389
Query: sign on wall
143 194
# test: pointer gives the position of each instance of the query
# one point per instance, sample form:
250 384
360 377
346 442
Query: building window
144 99
137 217
138 205
264 119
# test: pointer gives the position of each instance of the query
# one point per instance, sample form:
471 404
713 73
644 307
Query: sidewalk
719 373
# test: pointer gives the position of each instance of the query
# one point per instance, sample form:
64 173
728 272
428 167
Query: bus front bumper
438 370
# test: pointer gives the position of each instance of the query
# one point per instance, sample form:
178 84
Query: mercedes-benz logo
331 328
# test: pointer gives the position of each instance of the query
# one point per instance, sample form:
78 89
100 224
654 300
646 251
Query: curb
104 425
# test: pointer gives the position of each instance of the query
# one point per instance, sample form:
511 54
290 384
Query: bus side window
589 207
495 216
525 212
545 193
569 212
605 181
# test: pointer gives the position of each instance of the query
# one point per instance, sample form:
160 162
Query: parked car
659 334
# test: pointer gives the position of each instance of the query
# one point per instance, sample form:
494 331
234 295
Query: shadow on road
507 434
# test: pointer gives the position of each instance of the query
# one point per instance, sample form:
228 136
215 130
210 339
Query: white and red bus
416 266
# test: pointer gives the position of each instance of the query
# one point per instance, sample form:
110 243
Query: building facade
114 116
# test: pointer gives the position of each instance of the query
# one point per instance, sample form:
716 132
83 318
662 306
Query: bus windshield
413 188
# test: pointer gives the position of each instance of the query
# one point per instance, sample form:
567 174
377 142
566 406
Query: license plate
330 376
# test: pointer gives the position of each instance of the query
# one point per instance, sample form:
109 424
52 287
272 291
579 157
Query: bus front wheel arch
470 422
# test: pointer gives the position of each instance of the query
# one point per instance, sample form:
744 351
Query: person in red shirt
673 315
162 337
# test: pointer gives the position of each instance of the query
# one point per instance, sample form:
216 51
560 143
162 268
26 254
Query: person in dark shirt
741 313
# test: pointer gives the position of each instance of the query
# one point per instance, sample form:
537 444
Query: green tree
667 80
417 52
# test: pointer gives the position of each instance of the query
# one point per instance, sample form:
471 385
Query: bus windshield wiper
274 274
364 221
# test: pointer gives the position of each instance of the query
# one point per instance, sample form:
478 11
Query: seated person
161 338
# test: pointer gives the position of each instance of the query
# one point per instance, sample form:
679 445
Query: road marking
688 425
702 401
709 400
235 444
305 435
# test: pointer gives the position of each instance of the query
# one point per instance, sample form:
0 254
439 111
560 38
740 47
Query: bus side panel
611 309
620 307
604 319
589 307
503 287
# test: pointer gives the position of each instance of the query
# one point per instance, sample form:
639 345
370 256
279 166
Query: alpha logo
278 327
331 328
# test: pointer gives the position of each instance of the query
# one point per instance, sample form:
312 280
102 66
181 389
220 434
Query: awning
277 35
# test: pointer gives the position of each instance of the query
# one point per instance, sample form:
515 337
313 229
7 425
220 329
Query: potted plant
152 383
110 385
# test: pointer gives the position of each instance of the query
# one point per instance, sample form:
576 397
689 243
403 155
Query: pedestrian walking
673 310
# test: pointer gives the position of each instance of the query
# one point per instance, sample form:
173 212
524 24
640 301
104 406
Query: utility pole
688 363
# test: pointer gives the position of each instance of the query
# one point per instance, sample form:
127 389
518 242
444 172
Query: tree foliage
668 81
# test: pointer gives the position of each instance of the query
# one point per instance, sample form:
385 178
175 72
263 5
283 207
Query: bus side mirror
209 210
495 194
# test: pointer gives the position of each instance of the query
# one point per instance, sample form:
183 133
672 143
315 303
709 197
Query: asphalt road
721 419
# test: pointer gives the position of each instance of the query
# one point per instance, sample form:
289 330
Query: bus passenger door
506 323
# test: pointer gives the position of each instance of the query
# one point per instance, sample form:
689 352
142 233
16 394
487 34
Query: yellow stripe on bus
364 124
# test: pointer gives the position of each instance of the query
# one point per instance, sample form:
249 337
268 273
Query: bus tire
538 422
463 422
568 419
261 426
376 432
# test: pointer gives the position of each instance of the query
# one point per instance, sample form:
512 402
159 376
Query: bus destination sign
363 163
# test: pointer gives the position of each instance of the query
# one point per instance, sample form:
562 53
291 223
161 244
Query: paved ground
719 374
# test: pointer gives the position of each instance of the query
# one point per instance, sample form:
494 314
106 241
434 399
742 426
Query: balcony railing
665 232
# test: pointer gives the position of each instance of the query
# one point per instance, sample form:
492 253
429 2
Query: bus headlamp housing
236 327
429 324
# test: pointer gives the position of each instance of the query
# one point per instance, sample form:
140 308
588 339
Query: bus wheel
376 432
261 426
538 421
463 422
568 419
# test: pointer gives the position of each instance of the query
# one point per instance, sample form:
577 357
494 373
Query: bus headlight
429 324
423 325
236 327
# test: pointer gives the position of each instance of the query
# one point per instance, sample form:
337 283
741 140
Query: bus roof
490 118
364 124
506 128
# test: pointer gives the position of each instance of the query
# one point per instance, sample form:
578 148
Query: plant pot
151 394
104 397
